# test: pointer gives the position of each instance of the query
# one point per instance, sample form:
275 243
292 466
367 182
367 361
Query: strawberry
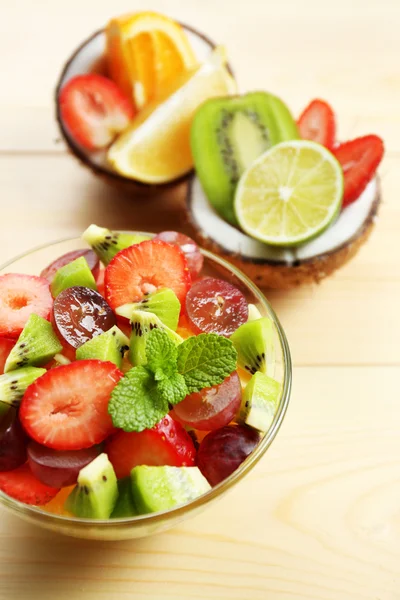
67 408
21 485
6 345
94 110
317 123
20 296
143 268
166 444
360 159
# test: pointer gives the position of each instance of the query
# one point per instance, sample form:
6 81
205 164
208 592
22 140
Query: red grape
223 451
216 306
91 258
58 468
79 314
213 407
12 441
189 248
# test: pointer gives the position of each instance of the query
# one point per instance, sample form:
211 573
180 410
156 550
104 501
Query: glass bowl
117 529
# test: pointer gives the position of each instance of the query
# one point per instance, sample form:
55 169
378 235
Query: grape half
222 451
211 408
58 468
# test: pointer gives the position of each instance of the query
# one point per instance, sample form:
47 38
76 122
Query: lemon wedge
155 148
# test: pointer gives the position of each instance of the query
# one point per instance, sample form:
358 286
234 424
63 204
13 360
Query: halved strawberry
166 444
67 408
21 485
143 268
91 259
95 110
6 345
360 159
317 123
20 296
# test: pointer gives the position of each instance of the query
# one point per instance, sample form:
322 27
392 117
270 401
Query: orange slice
146 52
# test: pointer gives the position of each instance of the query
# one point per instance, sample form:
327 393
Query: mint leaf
161 354
173 389
205 360
136 403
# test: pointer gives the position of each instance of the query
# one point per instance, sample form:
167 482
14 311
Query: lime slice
290 194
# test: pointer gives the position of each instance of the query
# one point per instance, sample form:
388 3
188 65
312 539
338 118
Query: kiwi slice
106 244
259 402
156 489
74 273
96 493
227 136
13 386
254 313
35 347
109 346
164 303
142 323
254 342
125 506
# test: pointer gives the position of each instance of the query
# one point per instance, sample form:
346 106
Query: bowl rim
223 486
83 156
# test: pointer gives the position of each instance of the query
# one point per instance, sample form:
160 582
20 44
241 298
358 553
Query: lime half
290 194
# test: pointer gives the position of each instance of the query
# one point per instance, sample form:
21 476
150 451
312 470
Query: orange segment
56 506
146 52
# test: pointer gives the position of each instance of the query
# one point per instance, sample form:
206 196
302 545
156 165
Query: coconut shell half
284 268
89 57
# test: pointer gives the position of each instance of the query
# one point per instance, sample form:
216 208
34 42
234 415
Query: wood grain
319 517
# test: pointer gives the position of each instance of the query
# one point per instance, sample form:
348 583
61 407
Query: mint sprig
206 360
146 393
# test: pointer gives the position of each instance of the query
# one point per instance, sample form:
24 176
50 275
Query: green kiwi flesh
157 489
142 323
125 506
228 135
163 303
109 346
259 402
106 243
35 347
254 342
13 386
96 493
74 273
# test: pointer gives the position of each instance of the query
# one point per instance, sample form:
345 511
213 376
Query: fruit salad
133 114
131 380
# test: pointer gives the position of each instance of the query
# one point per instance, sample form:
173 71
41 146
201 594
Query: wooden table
319 518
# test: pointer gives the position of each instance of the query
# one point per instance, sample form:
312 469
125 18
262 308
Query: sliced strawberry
21 485
317 123
67 408
143 268
95 110
360 159
166 444
20 296
91 258
6 345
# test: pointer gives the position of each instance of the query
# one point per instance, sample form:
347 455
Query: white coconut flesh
349 223
87 60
